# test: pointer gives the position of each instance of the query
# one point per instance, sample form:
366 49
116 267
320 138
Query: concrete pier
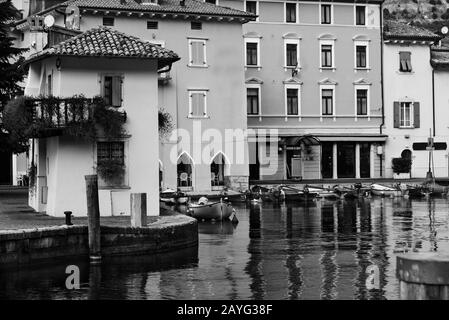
423 276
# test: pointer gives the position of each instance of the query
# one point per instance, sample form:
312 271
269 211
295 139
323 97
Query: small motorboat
347 193
168 197
293 194
434 190
415 192
323 193
384 191
205 210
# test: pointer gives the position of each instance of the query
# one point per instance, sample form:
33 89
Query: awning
307 140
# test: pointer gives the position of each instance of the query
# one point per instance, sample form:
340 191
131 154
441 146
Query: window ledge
411 127
198 117
405 73
292 67
252 67
328 68
198 65
114 187
362 69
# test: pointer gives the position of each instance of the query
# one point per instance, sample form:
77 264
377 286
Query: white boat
210 210
384 191
323 193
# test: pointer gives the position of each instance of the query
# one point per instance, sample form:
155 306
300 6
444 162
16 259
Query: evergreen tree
11 71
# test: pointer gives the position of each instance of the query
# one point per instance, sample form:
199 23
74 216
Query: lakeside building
415 79
204 93
313 75
83 65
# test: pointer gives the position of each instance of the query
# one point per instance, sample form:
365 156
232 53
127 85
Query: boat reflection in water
318 250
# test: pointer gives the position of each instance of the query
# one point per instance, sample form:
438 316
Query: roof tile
403 31
105 42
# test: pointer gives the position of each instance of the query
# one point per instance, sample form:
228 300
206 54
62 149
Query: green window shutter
416 120
117 91
396 114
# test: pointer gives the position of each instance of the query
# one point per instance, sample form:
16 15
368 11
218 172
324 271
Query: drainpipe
382 82
433 100
382 68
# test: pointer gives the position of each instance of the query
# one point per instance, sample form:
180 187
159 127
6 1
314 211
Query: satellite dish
49 21
444 30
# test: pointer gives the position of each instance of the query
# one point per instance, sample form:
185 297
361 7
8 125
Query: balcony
58 116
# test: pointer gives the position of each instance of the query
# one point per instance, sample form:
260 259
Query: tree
11 71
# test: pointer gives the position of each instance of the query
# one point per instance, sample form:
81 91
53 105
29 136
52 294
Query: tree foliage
11 70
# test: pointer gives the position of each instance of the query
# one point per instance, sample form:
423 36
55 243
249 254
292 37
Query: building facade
313 81
415 105
207 112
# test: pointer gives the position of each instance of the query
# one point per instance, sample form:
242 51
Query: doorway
327 160
365 160
346 160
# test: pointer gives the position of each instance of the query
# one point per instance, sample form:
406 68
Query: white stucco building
411 99
123 70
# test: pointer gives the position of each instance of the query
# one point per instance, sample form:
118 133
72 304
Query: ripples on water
319 251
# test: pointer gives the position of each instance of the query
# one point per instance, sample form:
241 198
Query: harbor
315 250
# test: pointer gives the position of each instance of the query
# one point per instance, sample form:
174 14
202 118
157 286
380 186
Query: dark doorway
5 168
346 160
294 163
365 160
327 157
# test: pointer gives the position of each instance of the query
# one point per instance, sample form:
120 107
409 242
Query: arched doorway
406 154
184 170
218 170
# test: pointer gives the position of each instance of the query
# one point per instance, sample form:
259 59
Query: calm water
276 252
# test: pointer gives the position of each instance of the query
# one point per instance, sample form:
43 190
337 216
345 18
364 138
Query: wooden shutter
396 114
197 104
117 91
197 48
416 120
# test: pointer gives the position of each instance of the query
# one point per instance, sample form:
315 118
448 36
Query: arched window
406 154
217 170
184 170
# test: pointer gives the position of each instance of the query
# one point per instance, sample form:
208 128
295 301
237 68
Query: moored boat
293 194
384 191
205 210
323 193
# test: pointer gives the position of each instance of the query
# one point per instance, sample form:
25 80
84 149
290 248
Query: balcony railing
52 115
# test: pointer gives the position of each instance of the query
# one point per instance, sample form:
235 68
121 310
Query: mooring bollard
423 276
68 218
138 210
93 214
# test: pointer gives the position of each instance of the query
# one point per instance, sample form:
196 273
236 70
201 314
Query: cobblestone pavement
16 214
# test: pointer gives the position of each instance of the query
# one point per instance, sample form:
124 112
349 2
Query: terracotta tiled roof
168 6
440 59
394 30
105 42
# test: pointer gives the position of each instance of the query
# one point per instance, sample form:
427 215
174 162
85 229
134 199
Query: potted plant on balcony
111 171
401 168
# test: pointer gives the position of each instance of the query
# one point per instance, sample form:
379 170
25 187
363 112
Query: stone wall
38 245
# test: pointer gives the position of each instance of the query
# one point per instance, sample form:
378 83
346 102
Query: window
152 24
290 12
108 21
22 36
326 56
112 90
292 101
326 14
211 1
194 25
327 102
197 51
252 53
362 102
360 15
252 100
291 51
111 151
251 6
405 114
361 56
405 61
197 104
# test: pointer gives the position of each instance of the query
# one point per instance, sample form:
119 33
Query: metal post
138 210
68 218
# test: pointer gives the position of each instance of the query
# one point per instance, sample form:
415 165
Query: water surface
288 251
